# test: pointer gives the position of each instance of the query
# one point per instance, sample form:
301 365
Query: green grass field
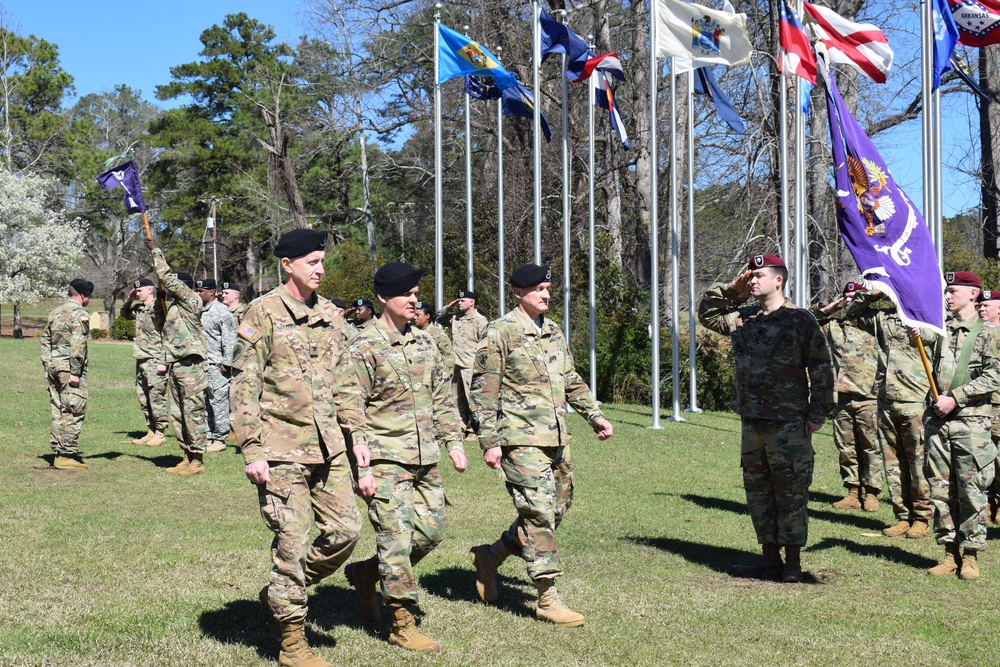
125 565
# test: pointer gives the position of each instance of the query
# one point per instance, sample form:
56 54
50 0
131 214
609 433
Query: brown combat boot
363 575
897 529
792 572
949 564
851 501
768 567
215 446
195 466
156 440
185 462
487 558
295 650
551 608
405 633
917 530
870 503
970 566
144 439
69 463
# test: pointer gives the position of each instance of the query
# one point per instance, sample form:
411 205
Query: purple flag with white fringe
125 176
884 232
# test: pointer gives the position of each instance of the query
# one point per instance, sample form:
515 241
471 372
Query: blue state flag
557 38
945 38
125 176
516 101
459 56
705 84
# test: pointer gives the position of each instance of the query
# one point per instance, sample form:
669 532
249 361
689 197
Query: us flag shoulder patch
248 333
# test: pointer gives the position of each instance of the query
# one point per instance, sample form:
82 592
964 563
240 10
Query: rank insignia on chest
248 333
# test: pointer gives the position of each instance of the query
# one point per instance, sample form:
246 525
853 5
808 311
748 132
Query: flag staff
783 164
801 242
674 252
692 321
438 225
468 190
536 122
591 264
565 189
502 306
654 223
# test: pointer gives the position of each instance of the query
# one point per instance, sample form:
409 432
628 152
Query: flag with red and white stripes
861 45
797 57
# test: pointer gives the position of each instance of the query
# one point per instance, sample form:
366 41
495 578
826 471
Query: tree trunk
612 187
251 269
17 320
644 168
989 133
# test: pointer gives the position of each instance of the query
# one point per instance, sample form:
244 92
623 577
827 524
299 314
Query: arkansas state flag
861 45
885 234
978 21
797 57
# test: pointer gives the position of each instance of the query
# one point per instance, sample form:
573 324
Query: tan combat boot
69 463
768 567
897 529
851 501
363 576
185 462
949 564
215 446
295 650
970 566
144 439
551 607
156 440
870 503
195 466
405 633
487 558
917 530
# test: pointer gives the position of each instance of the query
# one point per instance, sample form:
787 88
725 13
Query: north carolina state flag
978 21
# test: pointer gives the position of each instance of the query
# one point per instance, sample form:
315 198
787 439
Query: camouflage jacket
238 312
148 341
855 357
220 333
783 366
63 343
406 390
294 390
973 397
523 377
182 335
443 342
467 330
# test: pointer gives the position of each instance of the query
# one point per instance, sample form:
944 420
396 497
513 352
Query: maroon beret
966 278
760 261
989 295
854 287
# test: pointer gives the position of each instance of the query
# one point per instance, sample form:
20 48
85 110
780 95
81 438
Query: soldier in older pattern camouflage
142 306
855 419
219 329
468 328
184 349
63 349
960 451
784 391
524 378
295 395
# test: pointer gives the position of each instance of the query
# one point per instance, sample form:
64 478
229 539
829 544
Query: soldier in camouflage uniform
409 414
184 350
468 328
960 451
219 330
230 297
784 391
855 419
423 320
63 347
988 307
362 314
142 306
295 397
524 377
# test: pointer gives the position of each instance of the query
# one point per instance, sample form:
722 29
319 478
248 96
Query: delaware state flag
460 56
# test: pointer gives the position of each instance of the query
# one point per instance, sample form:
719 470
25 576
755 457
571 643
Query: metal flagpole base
654 428
676 418
694 409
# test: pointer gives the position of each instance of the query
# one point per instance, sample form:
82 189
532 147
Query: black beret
358 303
144 282
82 287
233 286
530 275
207 283
396 278
467 294
185 278
299 242
339 303
425 307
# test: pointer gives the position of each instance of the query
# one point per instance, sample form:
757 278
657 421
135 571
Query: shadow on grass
860 522
333 606
887 552
720 559
709 502
459 584
131 434
111 456
161 461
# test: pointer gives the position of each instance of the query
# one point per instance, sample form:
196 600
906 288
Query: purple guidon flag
885 234
127 177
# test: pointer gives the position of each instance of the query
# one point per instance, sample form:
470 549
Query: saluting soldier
231 297
219 329
142 306
423 319
295 396
409 415
468 328
524 377
63 347
784 391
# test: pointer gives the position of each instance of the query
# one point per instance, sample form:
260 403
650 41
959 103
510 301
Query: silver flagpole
438 224
783 164
565 195
692 321
938 177
591 264
801 243
468 189
654 223
501 304
536 119
675 232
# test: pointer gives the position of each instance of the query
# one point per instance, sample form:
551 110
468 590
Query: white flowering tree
39 248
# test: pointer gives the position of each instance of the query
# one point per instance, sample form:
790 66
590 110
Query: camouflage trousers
151 389
540 482
298 496
994 491
461 391
901 429
408 515
777 461
68 406
217 402
855 433
186 380
959 468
